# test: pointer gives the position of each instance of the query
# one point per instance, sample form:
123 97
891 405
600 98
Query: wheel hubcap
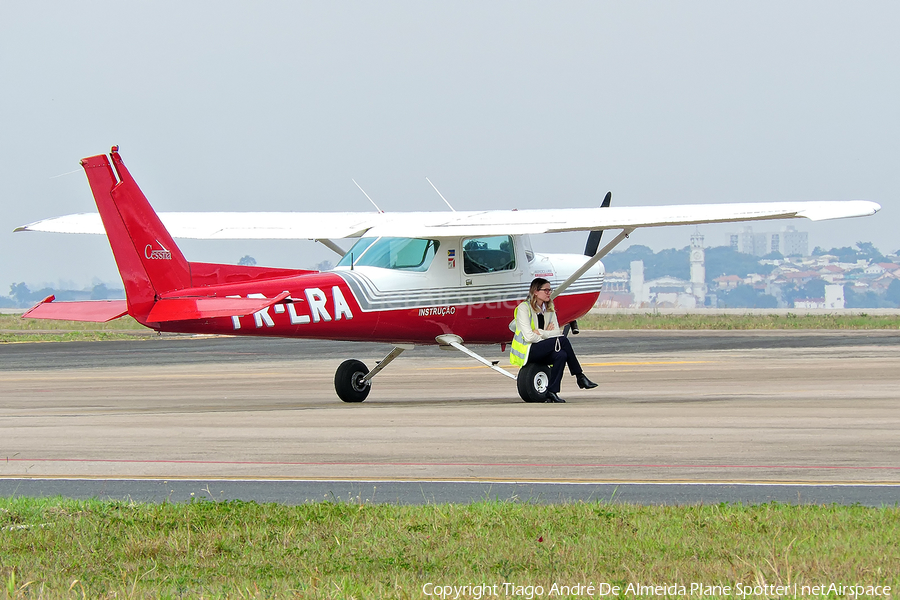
541 382
357 381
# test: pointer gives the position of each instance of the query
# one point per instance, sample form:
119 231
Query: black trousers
558 352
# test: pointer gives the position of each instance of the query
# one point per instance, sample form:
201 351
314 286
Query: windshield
409 254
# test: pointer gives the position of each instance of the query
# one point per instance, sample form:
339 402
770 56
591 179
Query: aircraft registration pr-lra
450 278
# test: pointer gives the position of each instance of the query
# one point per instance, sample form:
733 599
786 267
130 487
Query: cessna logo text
161 254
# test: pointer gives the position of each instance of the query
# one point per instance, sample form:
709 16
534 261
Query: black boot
584 383
553 397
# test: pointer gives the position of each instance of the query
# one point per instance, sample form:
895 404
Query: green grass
13 328
53 548
738 322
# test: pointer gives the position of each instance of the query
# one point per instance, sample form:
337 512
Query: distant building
728 282
616 282
667 291
698 269
809 303
671 292
640 292
834 298
784 278
616 293
793 242
746 242
787 242
613 300
831 273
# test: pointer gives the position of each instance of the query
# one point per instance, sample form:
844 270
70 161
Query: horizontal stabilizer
187 309
91 311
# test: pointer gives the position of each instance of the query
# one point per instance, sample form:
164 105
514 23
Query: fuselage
403 290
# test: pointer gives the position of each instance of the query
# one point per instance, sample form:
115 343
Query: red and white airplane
449 278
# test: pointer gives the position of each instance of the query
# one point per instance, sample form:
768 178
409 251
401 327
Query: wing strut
331 246
591 262
448 339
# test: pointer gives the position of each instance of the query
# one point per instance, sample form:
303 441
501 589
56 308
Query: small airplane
451 278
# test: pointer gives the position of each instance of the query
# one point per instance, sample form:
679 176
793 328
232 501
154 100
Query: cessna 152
450 278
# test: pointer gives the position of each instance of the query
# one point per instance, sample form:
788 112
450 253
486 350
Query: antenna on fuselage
367 196
440 194
64 174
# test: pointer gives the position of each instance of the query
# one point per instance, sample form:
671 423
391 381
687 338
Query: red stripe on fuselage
324 307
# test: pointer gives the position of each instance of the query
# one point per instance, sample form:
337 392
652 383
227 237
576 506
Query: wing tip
840 210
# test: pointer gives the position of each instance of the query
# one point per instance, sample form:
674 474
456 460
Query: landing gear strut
353 380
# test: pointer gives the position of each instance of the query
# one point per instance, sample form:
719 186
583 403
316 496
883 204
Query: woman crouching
539 340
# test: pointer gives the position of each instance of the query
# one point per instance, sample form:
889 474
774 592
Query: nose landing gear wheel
348 381
533 381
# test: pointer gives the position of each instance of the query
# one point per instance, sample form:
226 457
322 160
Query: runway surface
808 411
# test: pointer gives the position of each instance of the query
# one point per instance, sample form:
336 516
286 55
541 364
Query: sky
506 104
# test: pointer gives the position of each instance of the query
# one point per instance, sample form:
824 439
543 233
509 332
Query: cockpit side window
408 254
489 254
529 253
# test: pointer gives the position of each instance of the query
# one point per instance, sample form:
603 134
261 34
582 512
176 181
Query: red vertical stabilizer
148 260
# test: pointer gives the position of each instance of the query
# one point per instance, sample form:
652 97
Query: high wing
323 225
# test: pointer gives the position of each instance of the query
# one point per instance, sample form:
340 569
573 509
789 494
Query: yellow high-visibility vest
518 350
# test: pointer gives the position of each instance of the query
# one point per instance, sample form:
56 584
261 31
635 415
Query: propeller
590 249
593 241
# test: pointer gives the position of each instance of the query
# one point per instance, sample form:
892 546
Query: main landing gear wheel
348 381
533 381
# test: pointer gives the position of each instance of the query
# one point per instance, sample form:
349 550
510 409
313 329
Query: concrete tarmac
690 407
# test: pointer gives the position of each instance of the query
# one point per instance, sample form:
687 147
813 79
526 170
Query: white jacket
523 324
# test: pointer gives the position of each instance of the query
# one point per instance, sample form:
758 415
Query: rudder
146 255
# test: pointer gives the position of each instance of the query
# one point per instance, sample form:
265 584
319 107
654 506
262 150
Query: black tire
348 381
532 382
